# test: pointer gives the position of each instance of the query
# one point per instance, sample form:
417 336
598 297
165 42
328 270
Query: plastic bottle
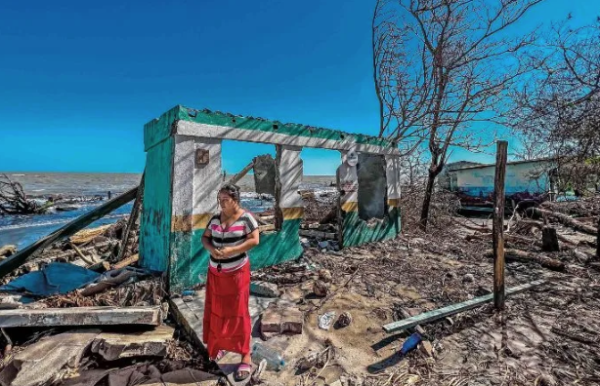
411 343
274 360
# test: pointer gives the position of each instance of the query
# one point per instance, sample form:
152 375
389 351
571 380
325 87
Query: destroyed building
184 172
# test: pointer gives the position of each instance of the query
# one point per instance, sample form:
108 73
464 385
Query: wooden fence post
598 241
498 225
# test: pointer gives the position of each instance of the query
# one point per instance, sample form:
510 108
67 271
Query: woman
228 237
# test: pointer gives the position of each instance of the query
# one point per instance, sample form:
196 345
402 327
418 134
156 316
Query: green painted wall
158 129
189 259
156 214
357 232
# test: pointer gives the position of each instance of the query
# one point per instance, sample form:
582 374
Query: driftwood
18 259
7 250
526 257
565 220
127 262
13 199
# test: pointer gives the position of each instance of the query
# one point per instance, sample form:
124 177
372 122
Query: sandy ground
547 335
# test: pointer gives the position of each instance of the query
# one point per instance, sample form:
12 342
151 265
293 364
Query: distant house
534 179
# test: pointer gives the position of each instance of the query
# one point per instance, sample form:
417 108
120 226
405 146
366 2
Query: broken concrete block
46 361
114 346
279 319
427 348
320 288
261 288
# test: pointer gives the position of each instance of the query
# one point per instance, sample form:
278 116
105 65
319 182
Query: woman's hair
232 191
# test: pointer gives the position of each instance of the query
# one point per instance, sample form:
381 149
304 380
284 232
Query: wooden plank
43 362
133 217
127 262
15 261
317 234
266 228
498 224
80 316
147 343
453 309
235 179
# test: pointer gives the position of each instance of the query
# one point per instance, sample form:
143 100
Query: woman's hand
226 252
216 253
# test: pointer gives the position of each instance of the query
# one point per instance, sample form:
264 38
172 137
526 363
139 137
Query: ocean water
25 229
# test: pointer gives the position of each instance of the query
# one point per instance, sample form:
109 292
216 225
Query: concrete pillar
393 175
196 181
289 205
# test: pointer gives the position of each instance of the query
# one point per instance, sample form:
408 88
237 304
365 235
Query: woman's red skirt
227 324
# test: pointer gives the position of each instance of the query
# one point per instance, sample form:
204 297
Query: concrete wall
181 193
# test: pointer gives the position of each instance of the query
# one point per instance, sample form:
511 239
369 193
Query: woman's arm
207 243
252 240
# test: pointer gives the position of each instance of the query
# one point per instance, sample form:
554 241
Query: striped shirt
231 236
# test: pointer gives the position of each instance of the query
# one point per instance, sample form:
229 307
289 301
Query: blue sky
78 80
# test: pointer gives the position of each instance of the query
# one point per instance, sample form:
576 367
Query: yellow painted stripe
350 206
292 213
190 222
394 202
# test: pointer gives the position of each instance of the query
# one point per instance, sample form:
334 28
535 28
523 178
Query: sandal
243 371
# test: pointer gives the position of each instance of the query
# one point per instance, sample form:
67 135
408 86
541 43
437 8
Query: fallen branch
13 199
526 257
566 220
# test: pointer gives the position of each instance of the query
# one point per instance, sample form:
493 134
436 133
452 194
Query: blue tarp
54 279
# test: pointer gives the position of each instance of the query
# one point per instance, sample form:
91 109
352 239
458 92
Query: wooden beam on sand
440 313
15 261
81 316
498 224
317 234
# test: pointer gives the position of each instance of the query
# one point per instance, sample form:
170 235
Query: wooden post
598 241
498 225
133 217
550 240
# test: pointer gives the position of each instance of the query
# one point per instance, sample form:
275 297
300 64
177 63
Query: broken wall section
379 196
372 187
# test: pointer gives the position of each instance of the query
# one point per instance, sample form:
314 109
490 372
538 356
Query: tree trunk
427 200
